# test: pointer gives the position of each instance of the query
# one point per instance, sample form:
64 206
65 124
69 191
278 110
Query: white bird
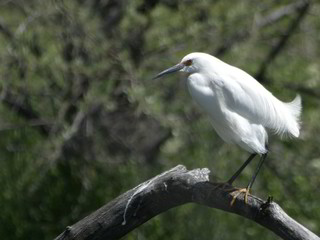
239 107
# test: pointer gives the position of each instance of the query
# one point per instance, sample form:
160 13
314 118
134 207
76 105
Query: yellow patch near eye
188 62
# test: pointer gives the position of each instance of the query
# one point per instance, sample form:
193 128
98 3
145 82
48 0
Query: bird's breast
205 95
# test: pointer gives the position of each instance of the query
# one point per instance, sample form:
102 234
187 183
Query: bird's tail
293 122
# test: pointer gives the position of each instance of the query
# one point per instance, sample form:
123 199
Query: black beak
173 69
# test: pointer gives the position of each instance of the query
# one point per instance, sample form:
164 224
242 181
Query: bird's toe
237 192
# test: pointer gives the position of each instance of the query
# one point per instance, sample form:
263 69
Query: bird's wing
247 97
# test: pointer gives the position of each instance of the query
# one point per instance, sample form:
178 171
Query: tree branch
173 188
274 52
23 108
278 14
281 12
312 92
5 30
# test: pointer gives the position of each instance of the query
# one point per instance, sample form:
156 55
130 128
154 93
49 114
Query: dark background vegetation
82 121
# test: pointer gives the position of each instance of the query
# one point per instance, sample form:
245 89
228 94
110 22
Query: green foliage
81 121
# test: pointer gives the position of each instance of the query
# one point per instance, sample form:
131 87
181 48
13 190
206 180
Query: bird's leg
234 176
263 157
227 186
248 188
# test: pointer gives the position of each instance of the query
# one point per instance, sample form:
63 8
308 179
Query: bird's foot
237 192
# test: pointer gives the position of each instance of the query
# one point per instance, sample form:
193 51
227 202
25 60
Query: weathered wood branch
173 188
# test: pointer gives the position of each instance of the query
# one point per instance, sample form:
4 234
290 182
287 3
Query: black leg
263 157
231 180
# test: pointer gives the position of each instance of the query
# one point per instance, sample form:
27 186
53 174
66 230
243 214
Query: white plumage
240 108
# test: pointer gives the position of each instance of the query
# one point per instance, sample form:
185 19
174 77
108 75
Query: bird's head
191 63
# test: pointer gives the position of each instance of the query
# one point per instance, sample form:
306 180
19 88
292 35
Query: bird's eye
188 62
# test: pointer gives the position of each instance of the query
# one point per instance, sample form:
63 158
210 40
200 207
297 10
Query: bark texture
173 188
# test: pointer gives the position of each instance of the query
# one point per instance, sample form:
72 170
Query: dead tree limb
173 188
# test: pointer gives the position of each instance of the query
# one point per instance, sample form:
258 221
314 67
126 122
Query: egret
239 107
